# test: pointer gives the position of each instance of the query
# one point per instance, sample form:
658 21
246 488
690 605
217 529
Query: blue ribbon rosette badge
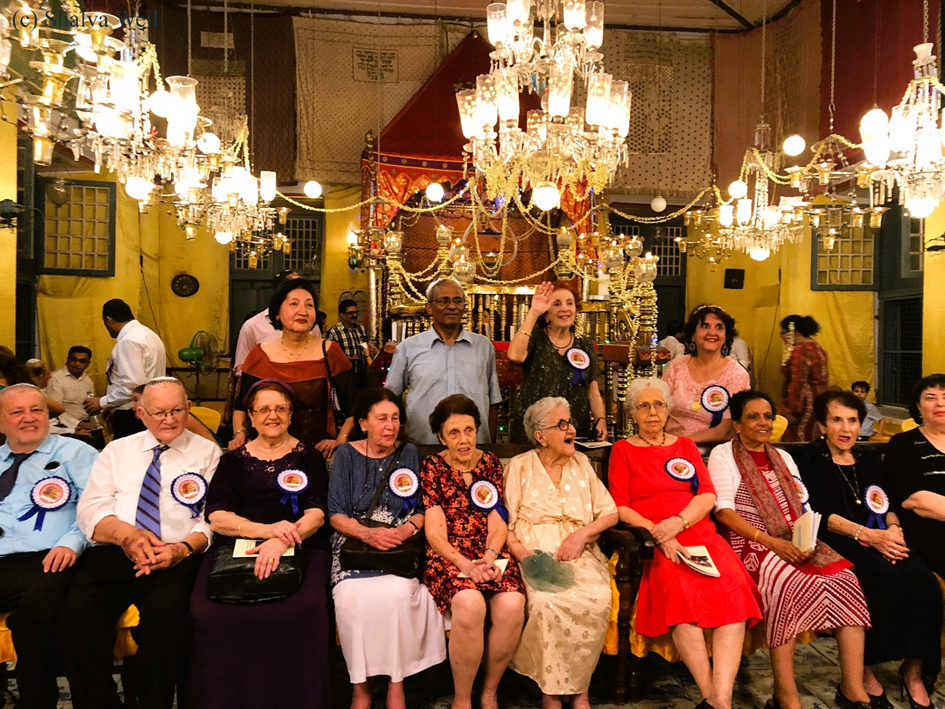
485 498
715 400
190 489
802 493
405 484
684 471
579 361
292 483
877 502
47 495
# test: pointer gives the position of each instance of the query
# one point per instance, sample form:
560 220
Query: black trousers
125 423
905 604
103 588
33 598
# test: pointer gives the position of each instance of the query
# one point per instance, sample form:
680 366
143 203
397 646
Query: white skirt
388 626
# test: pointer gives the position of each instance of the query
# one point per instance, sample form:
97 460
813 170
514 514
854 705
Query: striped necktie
148 516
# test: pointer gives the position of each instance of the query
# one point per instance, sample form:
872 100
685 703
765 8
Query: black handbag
232 579
403 560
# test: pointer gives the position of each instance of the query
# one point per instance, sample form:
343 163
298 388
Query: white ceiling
731 15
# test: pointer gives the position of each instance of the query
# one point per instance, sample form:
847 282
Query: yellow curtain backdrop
150 250
779 287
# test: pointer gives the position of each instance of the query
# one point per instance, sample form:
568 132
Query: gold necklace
292 354
662 440
856 490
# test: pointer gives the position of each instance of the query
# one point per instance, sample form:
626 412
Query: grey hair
638 386
20 387
536 415
434 286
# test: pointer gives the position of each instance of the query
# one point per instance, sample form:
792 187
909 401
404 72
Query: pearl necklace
308 341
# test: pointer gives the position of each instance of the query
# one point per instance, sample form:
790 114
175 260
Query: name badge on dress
190 489
715 400
877 501
684 471
292 483
47 495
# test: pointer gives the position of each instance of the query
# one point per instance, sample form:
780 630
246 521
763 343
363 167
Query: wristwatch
190 549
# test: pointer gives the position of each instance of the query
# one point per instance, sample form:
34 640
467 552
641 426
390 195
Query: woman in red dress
805 376
466 527
659 482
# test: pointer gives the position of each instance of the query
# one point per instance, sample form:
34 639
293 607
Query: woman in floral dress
469 570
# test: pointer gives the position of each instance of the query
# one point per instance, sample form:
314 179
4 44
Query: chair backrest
908 425
208 417
780 426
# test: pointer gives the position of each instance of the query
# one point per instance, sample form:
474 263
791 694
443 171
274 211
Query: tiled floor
666 686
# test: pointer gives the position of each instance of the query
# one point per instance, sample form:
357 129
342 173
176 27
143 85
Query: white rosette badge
684 471
292 483
190 490
715 400
47 495
877 502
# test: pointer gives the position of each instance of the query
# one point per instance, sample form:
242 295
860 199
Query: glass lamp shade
793 145
921 207
466 101
658 204
267 185
618 114
160 103
759 253
743 211
874 123
594 30
223 237
598 98
726 214
434 192
486 111
182 117
312 189
574 14
560 84
506 82
124 86
208 144
498 23
545 196
738 189
394 240
518 10
137 188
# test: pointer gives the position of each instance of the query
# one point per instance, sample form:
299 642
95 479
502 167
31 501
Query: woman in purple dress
273 654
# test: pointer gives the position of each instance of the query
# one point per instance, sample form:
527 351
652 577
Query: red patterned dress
805 376
797 598
670 593
466 528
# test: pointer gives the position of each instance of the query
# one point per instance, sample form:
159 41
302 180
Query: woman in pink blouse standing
703 381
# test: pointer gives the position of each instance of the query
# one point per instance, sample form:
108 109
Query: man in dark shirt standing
353 338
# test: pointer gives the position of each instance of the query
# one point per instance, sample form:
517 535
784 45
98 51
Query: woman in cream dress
557 504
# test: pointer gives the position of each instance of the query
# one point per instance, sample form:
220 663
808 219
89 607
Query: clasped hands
386 538
151 554
664 534
281 535
481 570
891 543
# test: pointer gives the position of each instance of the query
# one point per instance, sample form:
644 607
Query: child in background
873 416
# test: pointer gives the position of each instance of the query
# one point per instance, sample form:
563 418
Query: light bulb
160 103
545 196
658 204
208 143
921 207
738 189
873 124
137 188
312 189
793 145
223 237
434 192
759 253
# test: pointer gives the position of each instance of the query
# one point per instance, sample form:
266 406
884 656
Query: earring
725 350
691 347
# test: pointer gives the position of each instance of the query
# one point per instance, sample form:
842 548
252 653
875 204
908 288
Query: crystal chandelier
909 144
563 146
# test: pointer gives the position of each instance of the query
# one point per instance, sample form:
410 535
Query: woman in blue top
387 625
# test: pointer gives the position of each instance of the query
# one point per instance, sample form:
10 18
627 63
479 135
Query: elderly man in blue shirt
41 479
444 360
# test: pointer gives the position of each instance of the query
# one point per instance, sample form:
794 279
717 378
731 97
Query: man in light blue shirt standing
41 479
444 360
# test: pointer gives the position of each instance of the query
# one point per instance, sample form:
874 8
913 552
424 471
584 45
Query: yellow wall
933 301
336 276
70 306
8 237
779 287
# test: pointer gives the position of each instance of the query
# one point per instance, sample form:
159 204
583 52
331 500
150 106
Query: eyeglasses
563 424
351 313
657 406
265 410
173 413
443 302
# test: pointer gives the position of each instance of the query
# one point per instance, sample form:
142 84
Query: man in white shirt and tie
137 358
142 510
